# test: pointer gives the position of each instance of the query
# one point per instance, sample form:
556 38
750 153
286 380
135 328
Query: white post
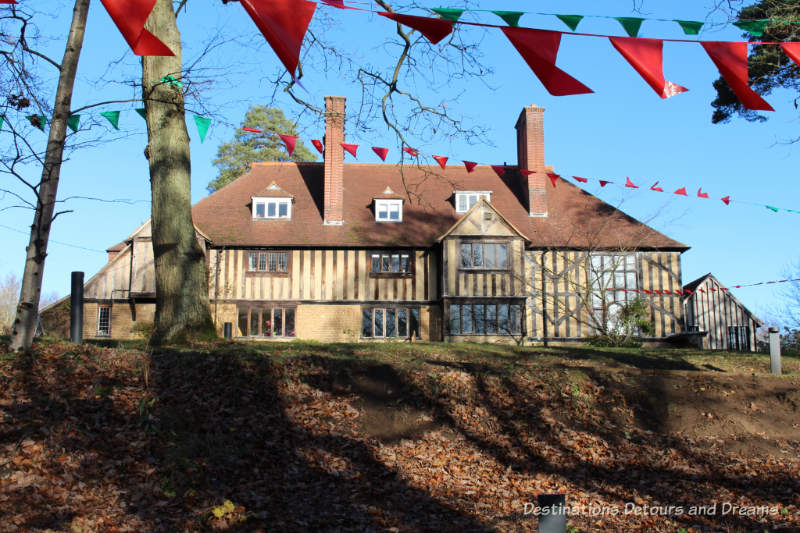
774 351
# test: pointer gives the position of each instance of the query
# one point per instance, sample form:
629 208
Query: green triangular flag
631 25
140 110
690 27
448 13
571 20
202 126
511 17
753 27
771 208
37 121
113 118
1 121
73 122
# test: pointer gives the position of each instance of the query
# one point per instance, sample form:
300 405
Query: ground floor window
104 320
485 318
399 322
266 322
739 338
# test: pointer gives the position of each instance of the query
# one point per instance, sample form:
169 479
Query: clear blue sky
623 129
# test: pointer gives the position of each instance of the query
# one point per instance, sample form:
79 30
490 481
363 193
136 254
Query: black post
76 309
554 520
228 330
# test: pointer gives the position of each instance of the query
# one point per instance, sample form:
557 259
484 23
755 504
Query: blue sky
623 129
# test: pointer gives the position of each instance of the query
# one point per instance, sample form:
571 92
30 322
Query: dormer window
388 210
272 208
466 199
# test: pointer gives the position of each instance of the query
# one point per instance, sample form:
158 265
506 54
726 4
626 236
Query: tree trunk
24 325
182 307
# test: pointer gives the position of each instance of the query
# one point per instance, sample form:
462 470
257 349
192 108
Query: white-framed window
104 320
611 277
272 208
388 210
466 199
268 261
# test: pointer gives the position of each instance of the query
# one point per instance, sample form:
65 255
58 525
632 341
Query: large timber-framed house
336 251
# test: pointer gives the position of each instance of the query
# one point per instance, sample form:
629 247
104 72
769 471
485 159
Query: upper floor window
388 210
466 199
272 208
391 263
484 255
268 261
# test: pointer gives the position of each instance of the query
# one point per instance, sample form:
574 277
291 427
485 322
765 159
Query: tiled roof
575 218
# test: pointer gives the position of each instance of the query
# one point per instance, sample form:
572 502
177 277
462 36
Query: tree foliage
769 67
234 158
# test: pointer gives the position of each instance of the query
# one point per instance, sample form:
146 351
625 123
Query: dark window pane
283 209
253 261
404 263
366 322
379 322
455 319
491 319
289 322
390 330
273 262
376 263
277 323
282 258
260 210
489 256
502 319
466 255
385 263
477 255
394 212
479 318
253 322
402 322
396 263
243 322
466 318
262 261
271 209
516 317
502 256
413 324
266 325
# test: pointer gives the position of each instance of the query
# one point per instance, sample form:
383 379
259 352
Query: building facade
335 251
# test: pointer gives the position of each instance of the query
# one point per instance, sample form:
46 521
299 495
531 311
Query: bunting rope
688 292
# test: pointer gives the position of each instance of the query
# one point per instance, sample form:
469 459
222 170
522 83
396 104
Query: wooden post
774 351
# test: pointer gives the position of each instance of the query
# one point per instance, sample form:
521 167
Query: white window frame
466 196
103 332
277 202
389 204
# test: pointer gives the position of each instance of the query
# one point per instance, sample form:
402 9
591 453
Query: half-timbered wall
717 312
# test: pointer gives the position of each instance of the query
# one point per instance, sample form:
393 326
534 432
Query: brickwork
530 156
122 322
328 323
225 313
333 196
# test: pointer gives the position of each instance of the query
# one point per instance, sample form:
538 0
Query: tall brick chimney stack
333 195
530 156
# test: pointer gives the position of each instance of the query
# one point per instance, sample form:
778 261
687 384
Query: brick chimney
333 195
530 156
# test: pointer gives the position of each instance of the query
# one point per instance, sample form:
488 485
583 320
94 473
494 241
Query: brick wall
333 196
328 323
530 156
122 320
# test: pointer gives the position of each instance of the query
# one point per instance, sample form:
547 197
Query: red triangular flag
499 169
470 165
350 148
434 29
629 183
317 144
682 191
712 289
553 178
731 61
657 291
603 183
582 180
687 291
726 199
410 151
646 291
539 49
442 160
290 141
251 130
334 3
130 16
702 290
654 188
701 194
666 291
381 152
283 23
792 50
646 57
526 173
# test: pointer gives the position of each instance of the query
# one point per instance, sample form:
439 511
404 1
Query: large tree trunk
182 308
24 325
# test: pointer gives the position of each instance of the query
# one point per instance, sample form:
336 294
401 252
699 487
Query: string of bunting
290 141
688 292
